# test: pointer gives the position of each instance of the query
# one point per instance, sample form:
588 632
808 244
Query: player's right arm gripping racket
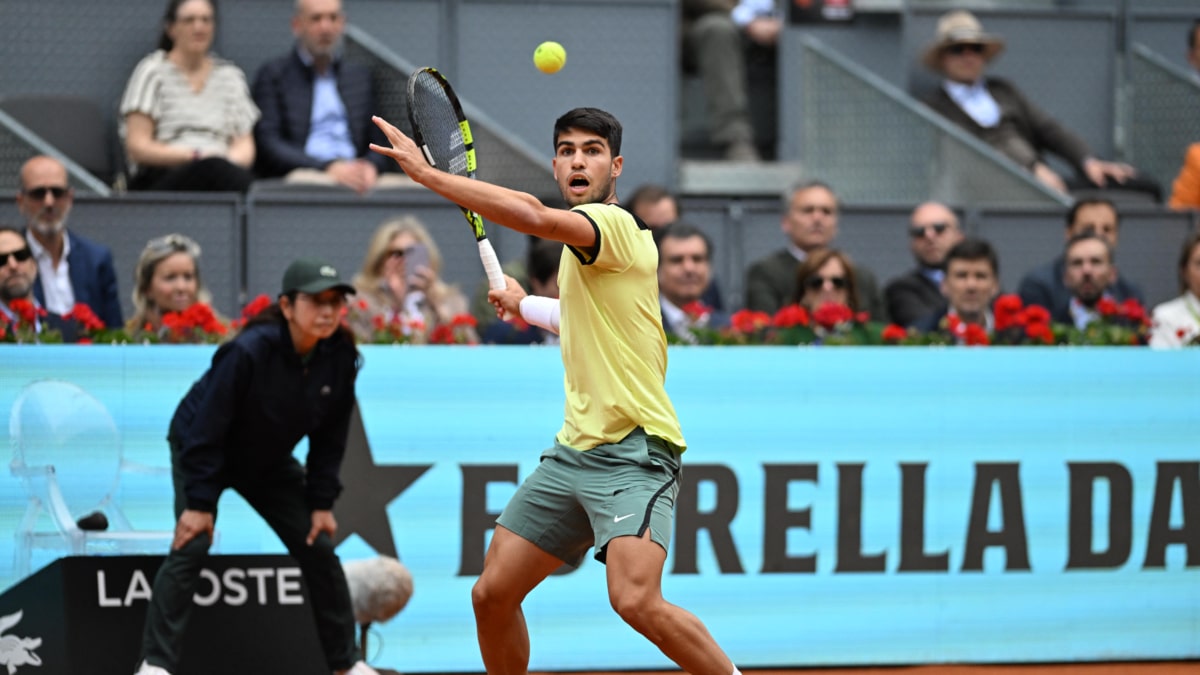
441 130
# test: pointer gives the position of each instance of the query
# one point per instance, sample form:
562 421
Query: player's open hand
508 301
403 150
191 523
322 521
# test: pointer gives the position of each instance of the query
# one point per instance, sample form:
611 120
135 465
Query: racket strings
434 115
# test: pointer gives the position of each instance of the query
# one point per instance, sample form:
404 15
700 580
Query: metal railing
879 145
1163 103
18 144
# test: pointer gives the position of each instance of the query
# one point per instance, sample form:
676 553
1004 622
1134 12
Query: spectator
71 268
18 272
933 230
716 35
187 114
1185 192
396 287
996 112
1044 285
684 272
541 261
316 108
826 278
166 279
1177 322
971 283
655 205
810 221
1089 271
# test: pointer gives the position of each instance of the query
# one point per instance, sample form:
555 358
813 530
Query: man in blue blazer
71 268
316 108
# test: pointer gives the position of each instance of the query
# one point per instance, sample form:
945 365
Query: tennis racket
441 130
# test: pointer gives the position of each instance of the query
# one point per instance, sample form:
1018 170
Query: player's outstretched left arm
515 210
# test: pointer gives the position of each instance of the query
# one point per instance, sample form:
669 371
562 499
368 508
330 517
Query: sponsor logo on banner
17 651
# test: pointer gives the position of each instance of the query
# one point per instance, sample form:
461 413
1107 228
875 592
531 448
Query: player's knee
635 608
483 599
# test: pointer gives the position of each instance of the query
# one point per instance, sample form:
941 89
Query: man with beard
684 272
1089 271
18 272
71 269
316 108
612 476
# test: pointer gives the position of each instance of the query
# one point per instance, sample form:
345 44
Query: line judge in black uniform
290 373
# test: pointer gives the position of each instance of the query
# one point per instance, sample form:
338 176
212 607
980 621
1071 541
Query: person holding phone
400 289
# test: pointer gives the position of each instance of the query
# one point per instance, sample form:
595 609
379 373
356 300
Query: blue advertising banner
840 506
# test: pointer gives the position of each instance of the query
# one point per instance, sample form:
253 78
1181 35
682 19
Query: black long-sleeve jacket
245 415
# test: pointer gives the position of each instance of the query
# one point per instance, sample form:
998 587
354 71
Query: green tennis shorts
575 499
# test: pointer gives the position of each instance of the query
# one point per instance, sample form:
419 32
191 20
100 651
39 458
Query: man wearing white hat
996 112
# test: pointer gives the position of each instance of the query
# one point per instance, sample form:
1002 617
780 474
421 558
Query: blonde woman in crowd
167 281
400 285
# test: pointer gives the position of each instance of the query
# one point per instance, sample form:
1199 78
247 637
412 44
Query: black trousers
279 499
211 174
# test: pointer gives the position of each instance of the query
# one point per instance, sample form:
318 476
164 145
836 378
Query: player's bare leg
634 568
513 567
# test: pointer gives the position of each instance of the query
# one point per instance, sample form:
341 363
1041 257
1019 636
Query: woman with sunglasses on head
400 285
187 118
167 281
290 373
826 277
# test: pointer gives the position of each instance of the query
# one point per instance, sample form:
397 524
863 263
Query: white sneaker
361 668
148 669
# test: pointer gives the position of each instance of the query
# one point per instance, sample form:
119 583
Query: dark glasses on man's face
818 282
918 231
965 47
40 192
21 256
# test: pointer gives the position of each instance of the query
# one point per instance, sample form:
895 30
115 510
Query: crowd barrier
248 243
838 506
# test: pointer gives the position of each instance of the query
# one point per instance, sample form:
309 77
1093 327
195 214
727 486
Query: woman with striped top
187 115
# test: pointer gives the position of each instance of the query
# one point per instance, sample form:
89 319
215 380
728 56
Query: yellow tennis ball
549 57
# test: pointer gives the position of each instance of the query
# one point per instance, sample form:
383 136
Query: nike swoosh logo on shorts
617 519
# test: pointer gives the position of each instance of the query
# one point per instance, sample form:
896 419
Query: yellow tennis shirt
614 350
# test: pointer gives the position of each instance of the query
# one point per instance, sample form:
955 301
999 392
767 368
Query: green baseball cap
309 275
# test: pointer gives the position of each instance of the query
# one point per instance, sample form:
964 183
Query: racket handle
491 266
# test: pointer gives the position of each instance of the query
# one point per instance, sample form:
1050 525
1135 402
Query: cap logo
327 271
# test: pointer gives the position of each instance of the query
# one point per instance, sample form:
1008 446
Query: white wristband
541 312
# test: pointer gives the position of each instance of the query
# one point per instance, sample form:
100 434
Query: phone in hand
415 257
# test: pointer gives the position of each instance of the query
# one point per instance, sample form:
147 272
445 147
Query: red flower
1007 310
1040 330
790 316
1133 310
696 310
442 334
85 316
1035 314
378 322
26 311
463 320
1106 307
747 321
831 314
255 306
893 333
976 335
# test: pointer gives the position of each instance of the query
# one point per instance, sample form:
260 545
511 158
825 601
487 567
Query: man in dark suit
684 272
971 283
996 112
18 272
810 222
1044 285
933 229
316 108
71 268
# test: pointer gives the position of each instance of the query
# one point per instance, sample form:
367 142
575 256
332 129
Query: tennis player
288 374
612 476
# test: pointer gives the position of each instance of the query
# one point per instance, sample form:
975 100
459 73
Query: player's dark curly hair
594 120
